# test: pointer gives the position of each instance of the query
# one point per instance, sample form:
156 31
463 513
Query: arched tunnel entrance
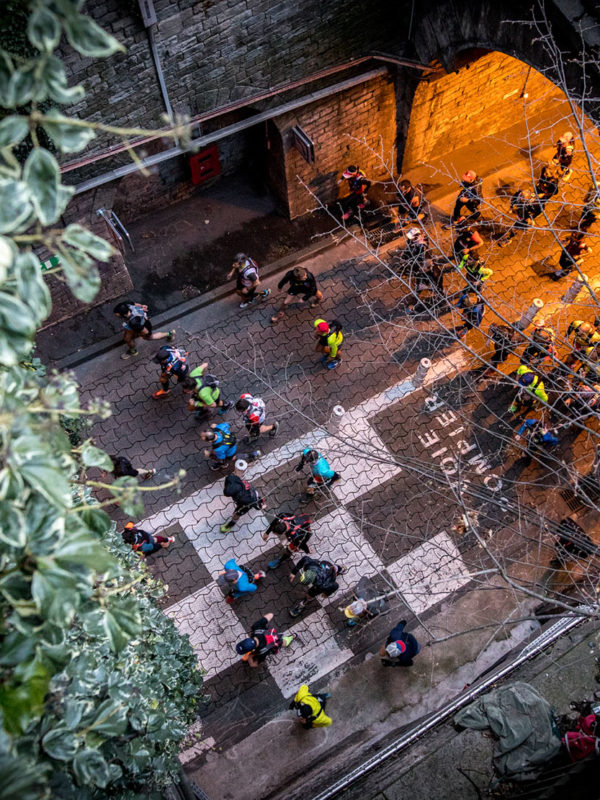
501 118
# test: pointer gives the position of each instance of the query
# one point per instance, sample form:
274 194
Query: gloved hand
299 467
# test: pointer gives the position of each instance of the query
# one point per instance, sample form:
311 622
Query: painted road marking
314 654
430 572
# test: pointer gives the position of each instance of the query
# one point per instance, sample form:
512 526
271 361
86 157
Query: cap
469 176
128 525
350 171
308 576
412 233
321 326
395 649
245 646
356 608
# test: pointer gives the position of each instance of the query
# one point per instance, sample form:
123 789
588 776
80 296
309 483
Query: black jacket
307 287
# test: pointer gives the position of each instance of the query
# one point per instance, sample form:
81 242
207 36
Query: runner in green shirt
205 393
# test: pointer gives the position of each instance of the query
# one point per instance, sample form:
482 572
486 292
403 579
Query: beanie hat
245 646
526 379
395 649
350 171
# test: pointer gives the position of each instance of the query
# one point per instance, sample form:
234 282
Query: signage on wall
303 144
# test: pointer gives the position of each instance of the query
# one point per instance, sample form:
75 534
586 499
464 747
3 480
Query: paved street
411 457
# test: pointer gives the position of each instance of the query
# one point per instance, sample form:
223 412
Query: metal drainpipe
149 19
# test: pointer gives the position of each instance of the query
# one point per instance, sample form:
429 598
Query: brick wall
479 99
114 275
366 112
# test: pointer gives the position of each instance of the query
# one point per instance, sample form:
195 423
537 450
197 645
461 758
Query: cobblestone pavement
407 454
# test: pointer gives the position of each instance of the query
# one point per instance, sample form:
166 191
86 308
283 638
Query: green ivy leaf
32 287
67 137
43 30
55 592
17 329
6 71
55 80
20 778
16 647
15 205
109 719
88 38
79 237
77 547
21 86
81 273
61 744
90 768
118 624
22 697
94 457
13 530
42 176
13 129
96 520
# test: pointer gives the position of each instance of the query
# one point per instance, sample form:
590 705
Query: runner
317 578
565 148
572 255
294 533
252 410
411 206
541 347
400 647
583 335
245 270
144 543
469 197
263 641
122 467
243 495
205 393
322 475
358 187
302 282
476 272
223 445
173 363
236 581
470 305
539 439
310 708
137 324
530 394
329 342
525 207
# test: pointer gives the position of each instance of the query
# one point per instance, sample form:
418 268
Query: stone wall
366 112
482 98
216 51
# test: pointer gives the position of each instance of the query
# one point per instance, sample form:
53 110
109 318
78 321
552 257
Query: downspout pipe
149 21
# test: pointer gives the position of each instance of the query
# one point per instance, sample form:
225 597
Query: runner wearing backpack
293 531
263 641
224 445
205 393
253 412
136 323
322 475
235 581
243 495
144 543
245 270
317 577
173 364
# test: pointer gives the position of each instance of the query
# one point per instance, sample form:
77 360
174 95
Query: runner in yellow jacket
311 708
